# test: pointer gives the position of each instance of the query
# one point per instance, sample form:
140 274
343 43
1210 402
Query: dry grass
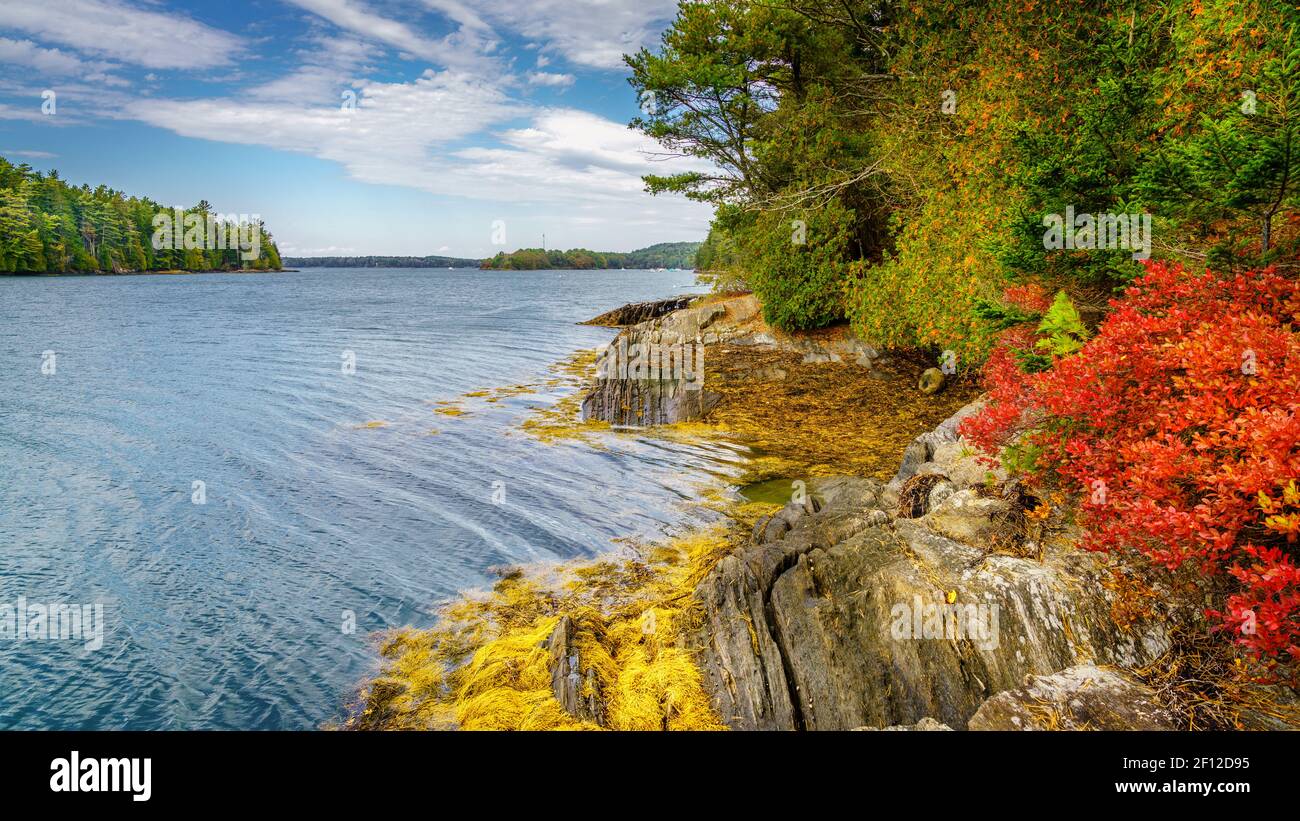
820 419
1207 685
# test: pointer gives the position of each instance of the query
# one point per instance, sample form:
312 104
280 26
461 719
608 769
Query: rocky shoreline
798 622
945 596
850 607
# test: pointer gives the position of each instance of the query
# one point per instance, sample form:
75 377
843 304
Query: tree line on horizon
381 262
48 225
662 255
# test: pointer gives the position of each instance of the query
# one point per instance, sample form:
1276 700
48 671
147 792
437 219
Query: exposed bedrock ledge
801 626
635 313
704 334
639 402
676 393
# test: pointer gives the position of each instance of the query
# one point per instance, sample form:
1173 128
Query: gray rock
923 448
662 396
939 493
567 677
967 517
845 492
815 630
1082 697
914 497
926 724
877 518
961 463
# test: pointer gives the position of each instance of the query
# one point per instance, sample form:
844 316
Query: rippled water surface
231 613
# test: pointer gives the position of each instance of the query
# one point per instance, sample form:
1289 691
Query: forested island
50 226
663 255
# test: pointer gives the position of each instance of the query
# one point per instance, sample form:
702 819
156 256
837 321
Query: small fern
1065 333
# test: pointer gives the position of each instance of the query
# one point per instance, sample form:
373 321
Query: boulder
840 615
924 447
969 517
961 463
1082 697
666 389
931 382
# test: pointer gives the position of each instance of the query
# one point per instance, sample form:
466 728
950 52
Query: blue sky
352 126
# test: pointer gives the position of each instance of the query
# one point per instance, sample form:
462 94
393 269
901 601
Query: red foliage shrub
1179 422
1032 298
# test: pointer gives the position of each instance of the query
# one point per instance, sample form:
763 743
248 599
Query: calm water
230 614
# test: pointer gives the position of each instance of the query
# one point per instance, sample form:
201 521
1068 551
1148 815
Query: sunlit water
233 613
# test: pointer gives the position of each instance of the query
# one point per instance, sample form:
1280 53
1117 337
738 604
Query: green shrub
796 268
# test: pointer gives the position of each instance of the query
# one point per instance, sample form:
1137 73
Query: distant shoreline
665 255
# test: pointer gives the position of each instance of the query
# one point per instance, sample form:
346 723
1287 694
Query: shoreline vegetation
664 255
168 272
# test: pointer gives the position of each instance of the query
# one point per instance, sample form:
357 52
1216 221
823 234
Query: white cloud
460 13
330 64
48 60
396 123
543 78
595 33
30 114
51 62
121 31
28 155
572 162
357 18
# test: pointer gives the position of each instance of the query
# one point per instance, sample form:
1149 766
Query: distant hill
663 255
380 262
